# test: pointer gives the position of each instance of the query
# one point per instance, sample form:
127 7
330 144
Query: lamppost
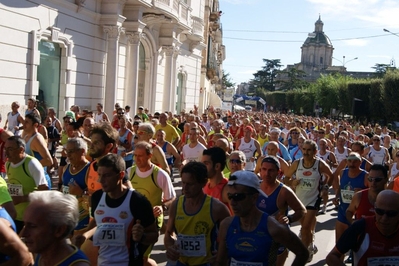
343 60
393 33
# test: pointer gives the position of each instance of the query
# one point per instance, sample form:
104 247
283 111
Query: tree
265 78
227 82
381 69
292 79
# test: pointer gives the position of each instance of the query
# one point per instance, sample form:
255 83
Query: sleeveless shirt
113 231
249 149
196 233
255 248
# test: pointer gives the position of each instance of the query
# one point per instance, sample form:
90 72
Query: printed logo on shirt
123 215
201 228
99 212
109 220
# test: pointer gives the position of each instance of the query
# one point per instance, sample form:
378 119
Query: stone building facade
162 54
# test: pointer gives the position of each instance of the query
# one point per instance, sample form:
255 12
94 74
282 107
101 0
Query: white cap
275 130
246 178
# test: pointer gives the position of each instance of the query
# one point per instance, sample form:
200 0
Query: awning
215 100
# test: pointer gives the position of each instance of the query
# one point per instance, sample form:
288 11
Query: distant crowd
245 177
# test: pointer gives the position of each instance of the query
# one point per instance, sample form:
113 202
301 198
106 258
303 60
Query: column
167 86
132 77
173 81
111 68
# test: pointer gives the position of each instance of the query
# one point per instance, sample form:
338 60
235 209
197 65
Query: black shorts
316 206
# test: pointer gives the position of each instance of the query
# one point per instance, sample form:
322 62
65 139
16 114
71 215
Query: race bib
110 234
65 189
347 195
383 261
192 246
234 262
307 183
15 190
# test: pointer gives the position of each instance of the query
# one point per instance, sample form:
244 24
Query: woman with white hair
50 219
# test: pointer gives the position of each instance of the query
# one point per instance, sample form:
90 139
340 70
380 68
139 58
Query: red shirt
365 208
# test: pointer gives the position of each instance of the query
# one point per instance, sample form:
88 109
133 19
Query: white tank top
249 150
340 156
394 171
377 157
323 157
112 231
13 122
310 180
99 117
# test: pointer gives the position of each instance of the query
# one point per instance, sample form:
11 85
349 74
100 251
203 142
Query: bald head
272 148
223 144
193 125
388 200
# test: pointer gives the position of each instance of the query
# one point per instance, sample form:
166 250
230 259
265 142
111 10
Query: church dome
318 36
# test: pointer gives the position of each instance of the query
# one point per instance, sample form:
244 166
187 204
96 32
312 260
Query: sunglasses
237 196
236 161
375 179
388 213
295 132
120 113
321 132
139 132
376 139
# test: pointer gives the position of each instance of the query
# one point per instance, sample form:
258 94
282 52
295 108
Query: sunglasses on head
388 213
237 196
374 179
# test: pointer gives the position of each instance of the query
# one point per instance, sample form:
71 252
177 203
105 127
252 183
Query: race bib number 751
110 234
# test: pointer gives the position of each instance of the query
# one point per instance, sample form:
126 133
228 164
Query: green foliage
360 89
391 94
327 91
377 107
265 78
227 82
380 69
292 79
337 92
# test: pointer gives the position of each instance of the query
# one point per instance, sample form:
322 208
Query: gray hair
61 209
240 154
18 140
79 143
148 128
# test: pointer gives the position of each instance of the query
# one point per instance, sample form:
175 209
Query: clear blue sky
280 27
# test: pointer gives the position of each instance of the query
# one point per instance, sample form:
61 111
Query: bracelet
326 187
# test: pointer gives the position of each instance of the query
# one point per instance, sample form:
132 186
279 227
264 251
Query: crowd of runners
245 177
